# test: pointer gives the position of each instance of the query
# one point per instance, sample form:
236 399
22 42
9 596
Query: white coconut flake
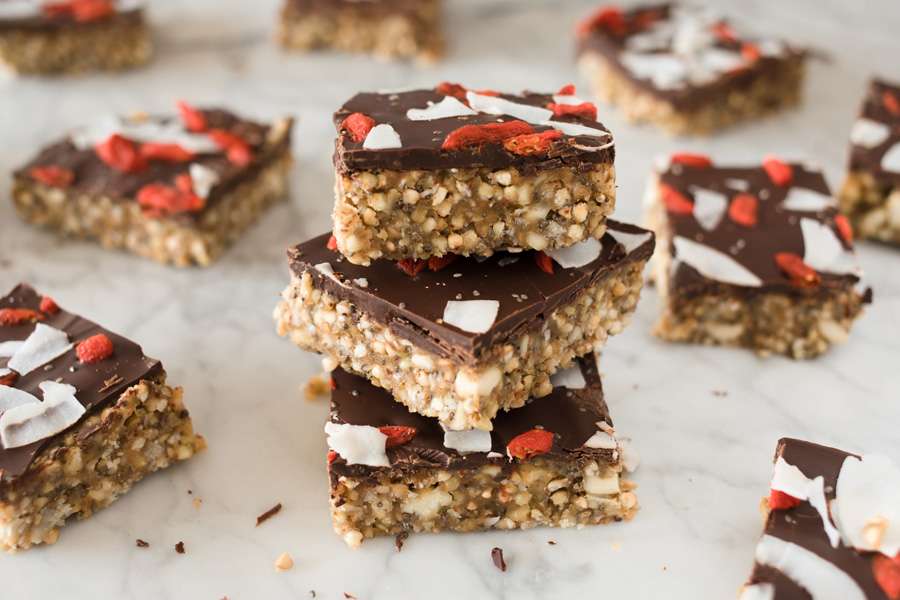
741 185
867 495
868 133
576 255
575 129
823 251
328 271
358 444
602 440
11 397
665 71
709 207
8 349
571 378
758 591
631 460
789 479
203 179
494 105
35 421
475 316
382 137
822 579
891 159
713 264
446 108
43 345
770 47
170 131
472 440
567 99
714 61
807 200
361 282
629 241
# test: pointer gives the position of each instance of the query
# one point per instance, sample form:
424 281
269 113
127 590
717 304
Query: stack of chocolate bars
470 277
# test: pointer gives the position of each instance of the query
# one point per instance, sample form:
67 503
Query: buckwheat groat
684 69
871 194
70 36
433 172
389 29
555 462
84 415
832 527
753 256
177 191
460 340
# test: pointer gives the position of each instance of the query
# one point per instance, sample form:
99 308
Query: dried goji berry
332 243
587 110
121 154
544 262
332 456
674 201
844 228
532 143
476 135
236 149
724 32
778 500
609 18
9 378
411 266
750 52
743 210
531 443
891 102
85 11
397 435
193 119
691 159
566 90
184 183
332 383
48 305
159 200
53 176
358 126
165 152
18 316
436 263
778 171
798 272
94 349
451 89
887 575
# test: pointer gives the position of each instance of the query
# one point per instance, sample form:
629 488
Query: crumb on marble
317 387
179 547
284 562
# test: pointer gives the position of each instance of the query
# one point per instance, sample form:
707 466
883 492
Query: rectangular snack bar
832 527
554 462
177 191
388 29
85 415
870 196
71 36
449 170
684 69
461 340
756 257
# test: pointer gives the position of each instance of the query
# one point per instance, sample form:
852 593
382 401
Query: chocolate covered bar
459 340
176 190
870 196
427 173
70 36
684 69
388 29
555 461
756 257
84 415
832 527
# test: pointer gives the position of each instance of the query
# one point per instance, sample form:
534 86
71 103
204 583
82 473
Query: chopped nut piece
317 387
284 562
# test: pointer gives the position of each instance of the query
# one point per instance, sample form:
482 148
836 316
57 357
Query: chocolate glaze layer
413 307
868 160
571 414
690 96
422 140
777 230
56 22
370 8
126 366
802 525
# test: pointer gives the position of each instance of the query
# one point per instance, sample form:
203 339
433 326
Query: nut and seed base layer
870 196
832 527
72 36
462 340
177 191
85 415
553 462
756 257
454 171
685 70
388 29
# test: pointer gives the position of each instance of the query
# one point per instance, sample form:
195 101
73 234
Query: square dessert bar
832 527
84 415
871 194
388 29
70 36
684 69
449 170
752 256
556 461
461 339
177 191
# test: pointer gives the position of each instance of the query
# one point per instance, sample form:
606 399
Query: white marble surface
706 458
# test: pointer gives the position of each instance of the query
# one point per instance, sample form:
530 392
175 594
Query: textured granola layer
872 207
113 45
462 396
518 496
148 428
121 224
418 214
767 94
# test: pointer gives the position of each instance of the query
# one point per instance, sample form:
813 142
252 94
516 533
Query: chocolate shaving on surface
141 543
497 558
268 514
179 547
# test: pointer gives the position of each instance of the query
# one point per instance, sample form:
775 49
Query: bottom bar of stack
554 462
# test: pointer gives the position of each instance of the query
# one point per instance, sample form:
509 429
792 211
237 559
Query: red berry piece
436 263
412 266
53 176
236 149
358 126
585 110
193 119
744 209
724 32
332 243
800 273
159 200
779 172
476 135
891 102
750 52
19 316
566 90
48 305
675 202
544 262
531 443
778 500
397 435
887 575
532 144
9 378
165 152
690 159
121 154
94 349
608 18
844 229
332 456
452 89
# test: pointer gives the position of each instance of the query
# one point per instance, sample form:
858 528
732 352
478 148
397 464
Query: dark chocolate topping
97 384
875 108
422 140
802 525
374 8
413 307
44 22
571 414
